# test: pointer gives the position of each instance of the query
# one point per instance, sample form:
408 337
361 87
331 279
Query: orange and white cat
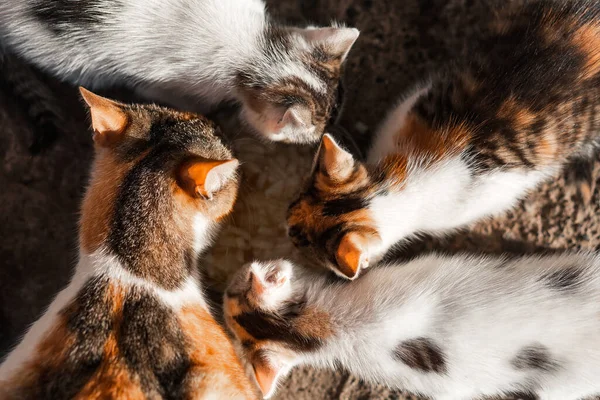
465 145
133 322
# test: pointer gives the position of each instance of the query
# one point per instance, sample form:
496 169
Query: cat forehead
151 127
289 56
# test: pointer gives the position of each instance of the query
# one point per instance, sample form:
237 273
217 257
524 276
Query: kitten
466 145
193 55
445 327
133 322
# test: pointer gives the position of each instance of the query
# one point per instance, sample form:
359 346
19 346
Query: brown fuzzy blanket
401 42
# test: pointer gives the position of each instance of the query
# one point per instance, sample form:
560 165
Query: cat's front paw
270 283
263 284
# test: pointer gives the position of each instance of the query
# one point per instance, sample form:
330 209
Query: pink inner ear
296 116
109 120
265 376
339 41
336 161
257 286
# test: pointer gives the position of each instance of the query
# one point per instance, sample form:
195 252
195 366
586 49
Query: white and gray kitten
455 328
192 54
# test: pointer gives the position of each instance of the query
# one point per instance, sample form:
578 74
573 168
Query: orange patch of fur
98 204
547 150
436 145
111 380
349 254
215 365
587 38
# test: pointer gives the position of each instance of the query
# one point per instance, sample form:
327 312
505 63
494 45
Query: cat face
159 177
330 222
289 93
267 312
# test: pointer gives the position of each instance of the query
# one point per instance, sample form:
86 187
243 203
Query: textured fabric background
401 41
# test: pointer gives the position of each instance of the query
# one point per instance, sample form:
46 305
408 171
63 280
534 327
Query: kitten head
161 179
268 315
330 221
289 92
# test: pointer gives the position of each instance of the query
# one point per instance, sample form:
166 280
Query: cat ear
336 162
337 41
268 372
352 255
109 120
202 178
297 116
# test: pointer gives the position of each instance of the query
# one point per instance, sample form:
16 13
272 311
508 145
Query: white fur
445 197
440 197
188 46
480 313
204 230
185 53
189 293
384 144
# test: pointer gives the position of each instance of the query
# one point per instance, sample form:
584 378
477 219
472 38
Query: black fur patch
535 357
153 346
422 354
565 280
61 15
279 328
520 396
344 205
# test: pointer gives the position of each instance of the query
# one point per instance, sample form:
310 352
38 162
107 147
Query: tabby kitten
451 328
133 322
193 55
465 145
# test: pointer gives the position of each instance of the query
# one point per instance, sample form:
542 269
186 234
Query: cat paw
270 283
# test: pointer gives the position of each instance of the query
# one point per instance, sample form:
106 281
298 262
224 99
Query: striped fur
467 144
133 323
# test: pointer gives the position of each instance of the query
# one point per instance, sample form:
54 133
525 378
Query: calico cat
191 54
465 145
450 328
133 322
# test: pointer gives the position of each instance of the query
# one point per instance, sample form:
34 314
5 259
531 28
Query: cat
133 322
452 328
192 54
465 145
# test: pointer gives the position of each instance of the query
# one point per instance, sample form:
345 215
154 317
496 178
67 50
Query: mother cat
204 51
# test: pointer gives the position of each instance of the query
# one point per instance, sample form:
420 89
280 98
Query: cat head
290 91
266 310
160 179
330 221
